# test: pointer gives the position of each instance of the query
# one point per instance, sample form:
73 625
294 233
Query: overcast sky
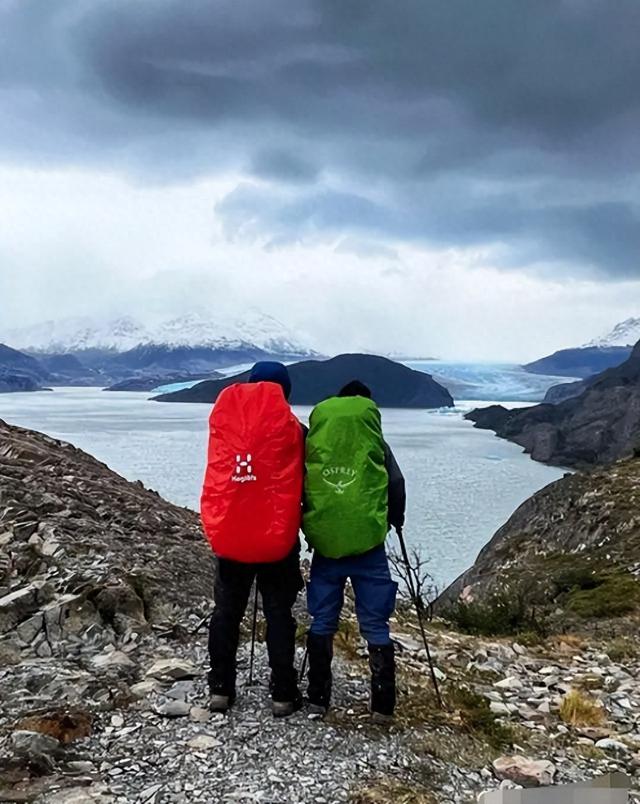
447 177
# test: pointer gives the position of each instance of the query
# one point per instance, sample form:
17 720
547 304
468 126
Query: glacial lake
462 483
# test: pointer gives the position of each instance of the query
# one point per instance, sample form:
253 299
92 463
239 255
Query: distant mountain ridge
582 362
251 330
626 333
81 351
392 384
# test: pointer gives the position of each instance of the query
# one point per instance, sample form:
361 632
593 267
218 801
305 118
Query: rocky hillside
600 425
574 545
84 542
20 372
392 384
567 390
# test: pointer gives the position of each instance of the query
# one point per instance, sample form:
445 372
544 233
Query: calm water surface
462 483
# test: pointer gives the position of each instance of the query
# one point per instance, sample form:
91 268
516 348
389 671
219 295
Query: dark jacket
397 492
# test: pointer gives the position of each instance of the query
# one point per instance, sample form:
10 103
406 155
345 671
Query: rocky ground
103 587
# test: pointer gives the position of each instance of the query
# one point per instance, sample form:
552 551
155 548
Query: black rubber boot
383 682
320 654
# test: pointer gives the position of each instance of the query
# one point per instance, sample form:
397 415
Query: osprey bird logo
339 477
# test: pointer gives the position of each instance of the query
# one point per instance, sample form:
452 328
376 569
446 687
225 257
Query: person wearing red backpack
251 511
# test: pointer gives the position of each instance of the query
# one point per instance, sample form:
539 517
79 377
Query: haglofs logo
244 469
339 477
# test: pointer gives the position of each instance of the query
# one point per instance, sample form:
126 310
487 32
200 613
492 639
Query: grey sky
397 145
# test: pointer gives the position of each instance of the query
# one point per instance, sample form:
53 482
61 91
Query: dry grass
622 649
347 639
64 726
566 643
578 709
386 790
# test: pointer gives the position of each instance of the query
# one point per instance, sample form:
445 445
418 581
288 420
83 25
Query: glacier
495 382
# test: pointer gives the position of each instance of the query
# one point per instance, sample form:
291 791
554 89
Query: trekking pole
303 669
305 657
418 606
254 628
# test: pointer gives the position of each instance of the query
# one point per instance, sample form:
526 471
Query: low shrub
617 595
477 717
507 612
620 649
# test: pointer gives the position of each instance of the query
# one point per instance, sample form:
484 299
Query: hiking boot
315 711
285 695
383 683
222 695
379 719
219 703
286 708
320 653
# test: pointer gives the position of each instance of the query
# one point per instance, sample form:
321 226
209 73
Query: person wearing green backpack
354 493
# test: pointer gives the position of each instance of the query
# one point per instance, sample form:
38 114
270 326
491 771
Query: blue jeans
374 590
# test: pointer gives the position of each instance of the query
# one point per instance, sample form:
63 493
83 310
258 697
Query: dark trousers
278 583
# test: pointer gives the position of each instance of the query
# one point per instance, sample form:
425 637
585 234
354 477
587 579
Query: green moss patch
614 596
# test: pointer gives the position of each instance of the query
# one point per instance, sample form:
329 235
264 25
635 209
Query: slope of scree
600 425
84 539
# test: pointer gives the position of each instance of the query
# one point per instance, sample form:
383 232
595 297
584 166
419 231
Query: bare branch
416 574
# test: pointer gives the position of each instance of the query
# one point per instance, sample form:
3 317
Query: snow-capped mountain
217 331
626 333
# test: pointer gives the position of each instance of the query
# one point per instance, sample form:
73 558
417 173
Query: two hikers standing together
268 476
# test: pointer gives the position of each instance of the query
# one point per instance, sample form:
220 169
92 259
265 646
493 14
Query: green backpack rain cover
346 483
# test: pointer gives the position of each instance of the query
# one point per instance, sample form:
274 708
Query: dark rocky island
600 425
393 385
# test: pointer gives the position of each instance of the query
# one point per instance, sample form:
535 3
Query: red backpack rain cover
251 498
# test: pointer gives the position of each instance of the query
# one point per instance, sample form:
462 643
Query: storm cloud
507 126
